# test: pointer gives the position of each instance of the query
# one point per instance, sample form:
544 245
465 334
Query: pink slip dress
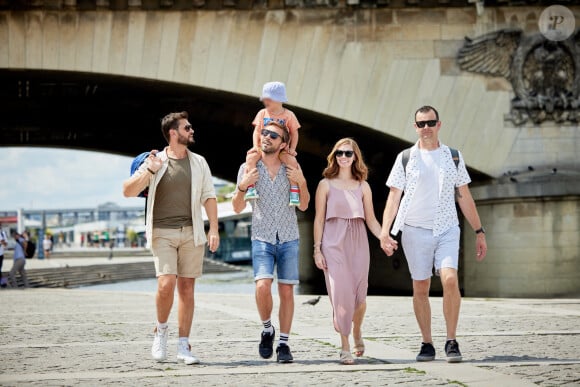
345 247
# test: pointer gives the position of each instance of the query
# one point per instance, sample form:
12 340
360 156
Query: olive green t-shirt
172 207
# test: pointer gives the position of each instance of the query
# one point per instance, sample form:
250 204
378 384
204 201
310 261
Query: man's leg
446 263
12 274
185 288
286 313
288 277
419 246
264 300
451 306
422 308
164 302
23 274
189 267
451 300
164 298
264 303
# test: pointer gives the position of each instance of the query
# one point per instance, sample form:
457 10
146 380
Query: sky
37 178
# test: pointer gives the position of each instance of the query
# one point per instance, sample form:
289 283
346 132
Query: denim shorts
425 251
284 255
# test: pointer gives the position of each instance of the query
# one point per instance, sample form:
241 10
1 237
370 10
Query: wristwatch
480 230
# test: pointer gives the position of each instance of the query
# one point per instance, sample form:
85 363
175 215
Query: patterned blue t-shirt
273 220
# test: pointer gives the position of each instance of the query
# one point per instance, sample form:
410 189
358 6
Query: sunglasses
273 135
429 123
341 153
187 128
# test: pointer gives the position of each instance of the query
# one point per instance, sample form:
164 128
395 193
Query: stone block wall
534 249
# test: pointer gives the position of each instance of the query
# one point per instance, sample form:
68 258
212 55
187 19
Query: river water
225 283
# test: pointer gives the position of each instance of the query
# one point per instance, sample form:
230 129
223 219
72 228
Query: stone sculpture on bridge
545 74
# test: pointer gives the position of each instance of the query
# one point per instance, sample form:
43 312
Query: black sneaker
452 351
266 346
427 352
283 354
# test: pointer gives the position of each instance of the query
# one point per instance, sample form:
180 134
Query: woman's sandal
359 347
346 358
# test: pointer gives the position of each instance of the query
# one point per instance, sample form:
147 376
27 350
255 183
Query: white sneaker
184 354
159 348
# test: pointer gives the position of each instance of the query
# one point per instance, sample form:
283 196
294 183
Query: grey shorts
425 251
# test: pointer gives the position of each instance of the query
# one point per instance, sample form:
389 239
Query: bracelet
151 171
317 244
242 190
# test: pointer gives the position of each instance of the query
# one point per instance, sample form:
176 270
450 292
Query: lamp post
41 236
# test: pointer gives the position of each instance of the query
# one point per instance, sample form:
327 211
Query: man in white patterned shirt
432 176
275 235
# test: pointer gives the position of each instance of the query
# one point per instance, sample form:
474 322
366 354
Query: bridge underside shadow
122 115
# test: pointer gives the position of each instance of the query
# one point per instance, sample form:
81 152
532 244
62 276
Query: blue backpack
137 162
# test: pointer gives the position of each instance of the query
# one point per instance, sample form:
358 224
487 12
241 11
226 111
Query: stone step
76 276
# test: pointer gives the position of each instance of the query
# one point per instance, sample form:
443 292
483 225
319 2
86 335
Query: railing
179 5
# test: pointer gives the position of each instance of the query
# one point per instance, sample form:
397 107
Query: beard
185 140
269 149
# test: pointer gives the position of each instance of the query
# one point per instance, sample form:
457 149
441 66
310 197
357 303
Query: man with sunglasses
179 182
431 180
274 235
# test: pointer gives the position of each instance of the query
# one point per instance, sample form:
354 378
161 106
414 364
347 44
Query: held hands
388 244
154 162
295 174
213 240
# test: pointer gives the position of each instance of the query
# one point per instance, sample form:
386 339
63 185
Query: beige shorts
176 253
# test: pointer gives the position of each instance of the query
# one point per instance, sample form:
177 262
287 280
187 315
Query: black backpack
30 249
406 154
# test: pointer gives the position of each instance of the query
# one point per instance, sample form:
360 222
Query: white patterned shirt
273 220
449 178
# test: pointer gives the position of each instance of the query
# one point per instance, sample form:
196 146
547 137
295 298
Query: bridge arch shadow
121 115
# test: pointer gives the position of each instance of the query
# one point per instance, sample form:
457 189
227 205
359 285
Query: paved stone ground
72 337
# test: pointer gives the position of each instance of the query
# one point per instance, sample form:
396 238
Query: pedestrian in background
179 182
275 236
47 246
3 245
19 260
432 176
344 203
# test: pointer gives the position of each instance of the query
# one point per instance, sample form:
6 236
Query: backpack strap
406 154
405 158
455 156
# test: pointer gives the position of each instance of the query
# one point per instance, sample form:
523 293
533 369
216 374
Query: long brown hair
359 169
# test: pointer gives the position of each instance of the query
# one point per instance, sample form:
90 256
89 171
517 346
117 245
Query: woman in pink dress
343 204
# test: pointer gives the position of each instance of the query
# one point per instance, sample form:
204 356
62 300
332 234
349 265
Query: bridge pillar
311 280
532 235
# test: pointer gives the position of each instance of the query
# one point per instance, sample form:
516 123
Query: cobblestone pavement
72 337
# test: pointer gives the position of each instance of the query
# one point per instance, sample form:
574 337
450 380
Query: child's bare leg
291 161
252 158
